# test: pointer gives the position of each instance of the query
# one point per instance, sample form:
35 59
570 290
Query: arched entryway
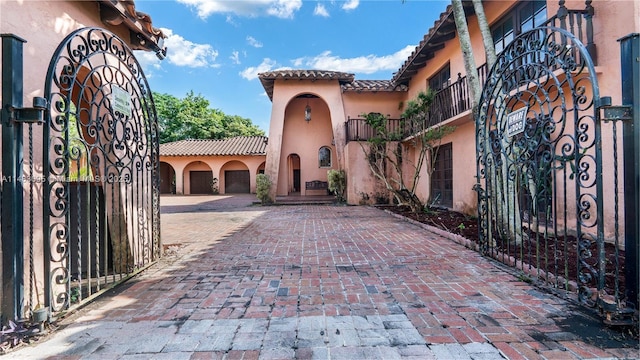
237 179
198 179
167 179
307 145
293 164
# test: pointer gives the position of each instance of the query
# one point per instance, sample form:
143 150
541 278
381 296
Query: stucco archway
235 178
167 178
198 178
302 138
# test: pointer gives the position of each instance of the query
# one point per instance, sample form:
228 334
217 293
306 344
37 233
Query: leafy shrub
214 186
263 184
337 183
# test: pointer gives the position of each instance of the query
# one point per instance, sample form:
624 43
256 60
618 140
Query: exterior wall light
307 113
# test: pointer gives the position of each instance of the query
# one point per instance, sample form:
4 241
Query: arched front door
293 162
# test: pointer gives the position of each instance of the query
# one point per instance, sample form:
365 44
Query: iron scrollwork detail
540 187
100 152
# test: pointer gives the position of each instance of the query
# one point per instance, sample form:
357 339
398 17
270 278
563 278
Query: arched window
324 157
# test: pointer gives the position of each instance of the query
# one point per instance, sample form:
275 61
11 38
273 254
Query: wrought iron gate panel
539 158
100 168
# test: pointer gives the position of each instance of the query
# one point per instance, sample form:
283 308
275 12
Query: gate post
630 71
12 212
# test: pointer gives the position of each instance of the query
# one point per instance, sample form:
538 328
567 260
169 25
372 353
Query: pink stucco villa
302 148
541 164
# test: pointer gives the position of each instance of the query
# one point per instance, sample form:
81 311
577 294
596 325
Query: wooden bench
316 185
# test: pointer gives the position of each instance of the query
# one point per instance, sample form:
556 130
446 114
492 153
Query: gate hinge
621 112
615 112
33 114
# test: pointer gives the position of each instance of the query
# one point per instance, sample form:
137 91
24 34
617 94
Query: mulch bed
536 251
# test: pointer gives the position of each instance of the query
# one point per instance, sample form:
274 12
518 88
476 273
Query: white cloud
267 64
252 72
351 5
148 61
231 20
278 8
298 63
253 42
182 52
362 64
235 57
320 10
284 8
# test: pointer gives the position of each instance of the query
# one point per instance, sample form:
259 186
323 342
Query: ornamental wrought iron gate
544 157
89 177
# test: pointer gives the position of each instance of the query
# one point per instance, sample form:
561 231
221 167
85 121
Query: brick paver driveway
317 282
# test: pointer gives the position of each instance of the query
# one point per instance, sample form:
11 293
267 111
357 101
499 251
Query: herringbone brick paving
316 282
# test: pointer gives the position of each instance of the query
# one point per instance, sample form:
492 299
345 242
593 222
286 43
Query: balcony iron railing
357 129
447 103
580 24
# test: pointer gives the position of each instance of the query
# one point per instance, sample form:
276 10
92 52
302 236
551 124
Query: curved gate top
539 162
100 168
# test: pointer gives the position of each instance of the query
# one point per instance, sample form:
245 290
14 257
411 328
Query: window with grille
441 79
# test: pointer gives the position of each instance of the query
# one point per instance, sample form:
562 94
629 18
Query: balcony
454 99
447 103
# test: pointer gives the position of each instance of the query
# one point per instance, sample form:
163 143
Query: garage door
200 182
236 181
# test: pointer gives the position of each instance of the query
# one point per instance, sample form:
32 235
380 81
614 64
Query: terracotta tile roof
373 86
239 145
443 30
268 78
143 35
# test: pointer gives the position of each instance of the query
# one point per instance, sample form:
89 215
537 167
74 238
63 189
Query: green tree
387 147
235 125
193 118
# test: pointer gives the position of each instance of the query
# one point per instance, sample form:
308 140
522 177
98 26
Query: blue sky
217 48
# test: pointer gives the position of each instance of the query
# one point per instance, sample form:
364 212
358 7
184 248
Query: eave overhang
143 36
443 30
269 78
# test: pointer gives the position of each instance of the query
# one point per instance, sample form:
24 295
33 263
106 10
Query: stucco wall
362 187
44 24
387 103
